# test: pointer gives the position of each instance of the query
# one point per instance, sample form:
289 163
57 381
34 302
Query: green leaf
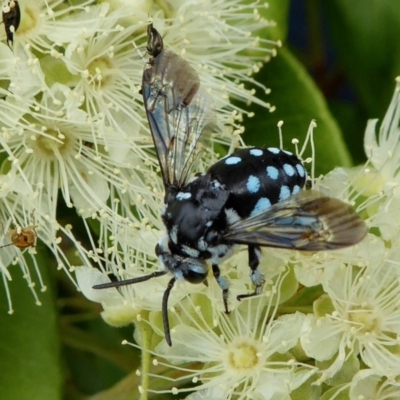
298 101
95 356
29 347
366 37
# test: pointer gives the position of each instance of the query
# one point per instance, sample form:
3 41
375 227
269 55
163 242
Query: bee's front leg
223 284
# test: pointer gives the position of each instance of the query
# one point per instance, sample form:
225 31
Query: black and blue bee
252 197
11 18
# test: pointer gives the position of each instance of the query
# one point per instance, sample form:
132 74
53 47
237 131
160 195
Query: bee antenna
167 331
129 281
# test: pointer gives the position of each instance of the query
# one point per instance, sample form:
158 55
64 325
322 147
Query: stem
147 334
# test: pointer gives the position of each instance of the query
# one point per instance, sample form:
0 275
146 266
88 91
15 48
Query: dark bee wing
307 221
178 110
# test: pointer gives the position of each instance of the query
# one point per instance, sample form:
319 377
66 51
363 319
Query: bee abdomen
258 177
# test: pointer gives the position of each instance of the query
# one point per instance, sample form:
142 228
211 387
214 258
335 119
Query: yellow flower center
243 356
363 319
53 142
29 21
101 71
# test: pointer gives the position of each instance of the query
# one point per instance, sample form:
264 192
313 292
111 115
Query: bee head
193 270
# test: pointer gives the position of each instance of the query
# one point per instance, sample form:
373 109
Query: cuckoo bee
253 197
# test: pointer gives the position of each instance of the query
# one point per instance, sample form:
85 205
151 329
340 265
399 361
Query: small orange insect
23 237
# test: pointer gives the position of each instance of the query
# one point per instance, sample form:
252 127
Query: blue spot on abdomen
272 173
289 170
284 193
232 160
256 152
300 170
253 184
262 205
256 178
274 150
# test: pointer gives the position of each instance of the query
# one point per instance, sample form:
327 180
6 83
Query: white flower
52 146
7 67
43 22
312 268
42 28
207 394
379 180
217 38
106 71
117 311
125 252
368 385
361 315
245 355
384 152
22 224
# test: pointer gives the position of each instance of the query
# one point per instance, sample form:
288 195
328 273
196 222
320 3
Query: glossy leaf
298 101
29 347
366 37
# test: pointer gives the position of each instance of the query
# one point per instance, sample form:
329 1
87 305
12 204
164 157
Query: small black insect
11 18
252 197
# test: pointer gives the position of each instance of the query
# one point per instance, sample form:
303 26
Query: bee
11 18
253 197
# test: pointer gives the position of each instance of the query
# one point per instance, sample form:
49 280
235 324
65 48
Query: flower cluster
326 323
73 127
74 132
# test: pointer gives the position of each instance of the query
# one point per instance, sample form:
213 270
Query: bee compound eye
194 272
212 237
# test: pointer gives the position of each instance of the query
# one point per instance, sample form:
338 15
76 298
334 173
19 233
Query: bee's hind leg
256 276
